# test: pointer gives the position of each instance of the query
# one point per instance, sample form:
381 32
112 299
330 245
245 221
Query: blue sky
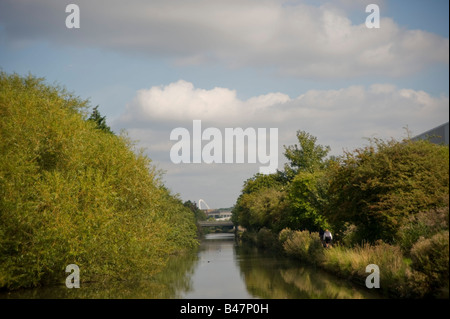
304 65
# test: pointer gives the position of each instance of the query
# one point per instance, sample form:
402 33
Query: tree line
391 193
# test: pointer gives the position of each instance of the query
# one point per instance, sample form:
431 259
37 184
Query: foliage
99 120
431 258
308 197
303 245
422 225
352 263
266 207
294 198
267 239
348 235
305 157
387 204
378 187
262 203
198 213
70 193
260 181
285 234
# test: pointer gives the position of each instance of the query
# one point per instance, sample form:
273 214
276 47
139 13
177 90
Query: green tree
99 120
308 182
308 198
293 198
264 208
307 156
262 203
198 213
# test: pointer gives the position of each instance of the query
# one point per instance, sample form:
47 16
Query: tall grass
352 263
425 275
302 245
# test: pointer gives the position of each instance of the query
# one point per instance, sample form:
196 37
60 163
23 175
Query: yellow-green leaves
70 193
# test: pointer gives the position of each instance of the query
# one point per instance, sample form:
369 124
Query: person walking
327 237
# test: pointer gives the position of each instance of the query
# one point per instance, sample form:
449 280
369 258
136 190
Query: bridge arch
202 201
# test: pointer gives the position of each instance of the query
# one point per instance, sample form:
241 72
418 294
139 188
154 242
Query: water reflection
171 283
217 274
282 278
219 269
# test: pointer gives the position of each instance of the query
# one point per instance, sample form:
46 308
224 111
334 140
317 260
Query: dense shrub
303 245
378 187
422 225
267 239
431 258
285 234
70 193
262 208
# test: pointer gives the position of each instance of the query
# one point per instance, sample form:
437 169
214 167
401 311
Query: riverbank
397 278
386 204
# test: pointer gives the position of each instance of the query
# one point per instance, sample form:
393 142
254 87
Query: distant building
437 135
219 215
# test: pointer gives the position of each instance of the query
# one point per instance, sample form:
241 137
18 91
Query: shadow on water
218 269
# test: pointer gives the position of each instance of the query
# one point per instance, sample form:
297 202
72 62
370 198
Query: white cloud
296 39
376 108
181 102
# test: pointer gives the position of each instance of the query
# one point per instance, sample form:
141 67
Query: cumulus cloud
181 101
290 38
340 118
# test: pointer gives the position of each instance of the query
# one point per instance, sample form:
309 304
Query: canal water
219 269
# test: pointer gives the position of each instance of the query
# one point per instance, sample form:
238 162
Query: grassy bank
72 193
385 203
421 273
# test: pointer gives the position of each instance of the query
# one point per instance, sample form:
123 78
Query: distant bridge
218 223
221 217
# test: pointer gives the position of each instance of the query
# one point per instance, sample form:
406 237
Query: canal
218 269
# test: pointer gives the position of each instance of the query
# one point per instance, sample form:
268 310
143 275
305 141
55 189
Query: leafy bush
431 257
422 225
303 245
267 239
285 234
349 237
70 193
265 207
307 195
378 187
